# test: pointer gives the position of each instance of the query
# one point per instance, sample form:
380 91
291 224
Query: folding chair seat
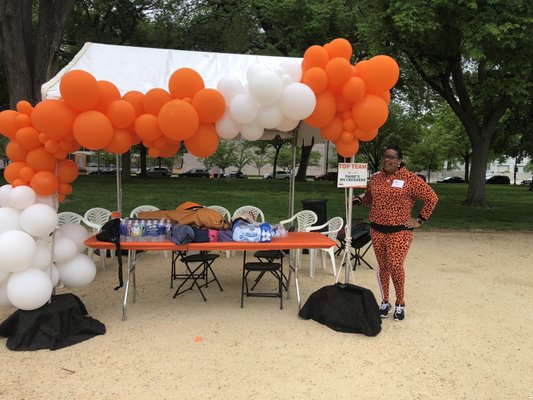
198 268
67 217
274 268
360 238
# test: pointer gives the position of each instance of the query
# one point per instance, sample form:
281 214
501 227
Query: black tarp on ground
60 323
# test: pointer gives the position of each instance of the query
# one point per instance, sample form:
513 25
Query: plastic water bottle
129 225
136 231
153 231
123 229
161 230
168 229
142 234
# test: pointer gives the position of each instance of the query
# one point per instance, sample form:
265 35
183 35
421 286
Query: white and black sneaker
384 309
399 312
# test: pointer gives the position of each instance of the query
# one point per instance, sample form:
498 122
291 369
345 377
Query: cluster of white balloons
34 255
273 99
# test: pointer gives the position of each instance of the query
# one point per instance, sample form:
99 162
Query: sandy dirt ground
467 335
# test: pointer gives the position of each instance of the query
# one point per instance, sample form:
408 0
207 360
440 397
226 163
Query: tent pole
293 176
347 255
118 163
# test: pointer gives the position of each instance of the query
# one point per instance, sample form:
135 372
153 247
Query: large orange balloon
24 107
316 56
40 160
26 174
53 117
371 112
342 104
8 125
64 188
15 153
347 149
316 78
354 89
204 142
80 90
169 150
67 171
44 183
154 99
324 110
178 120
135 98
185 82
365 136
339 48
338 70
22 120
28 138
121 142
52 146
209 104
12 171
108 94
333 130
147 127
93 130
380 73
154 152
121 113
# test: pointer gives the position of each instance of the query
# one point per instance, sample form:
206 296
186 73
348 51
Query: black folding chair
360 238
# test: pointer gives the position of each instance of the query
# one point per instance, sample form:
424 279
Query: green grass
511 206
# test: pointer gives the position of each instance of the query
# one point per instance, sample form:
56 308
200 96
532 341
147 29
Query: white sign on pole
354 175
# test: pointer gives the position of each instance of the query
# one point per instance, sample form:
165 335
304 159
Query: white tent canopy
142 68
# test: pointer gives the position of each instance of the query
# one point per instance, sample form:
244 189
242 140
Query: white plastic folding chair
299 222
255 211
135 212
226 215
68 217
333 226
95 218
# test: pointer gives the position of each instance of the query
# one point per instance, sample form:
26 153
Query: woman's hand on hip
412 223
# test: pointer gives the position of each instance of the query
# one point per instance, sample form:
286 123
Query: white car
279 175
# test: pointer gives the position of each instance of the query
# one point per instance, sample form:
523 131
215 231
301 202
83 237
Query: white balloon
75 232
43 256
297 101
269 116
287 124
243 109
3 275
65 249
22 197
78 272
265 87
9 219
285 81
17 250
50 201
55 275
293 69
253 70
4 301
230 86
226 127
39 220
4 195
252 131
29 289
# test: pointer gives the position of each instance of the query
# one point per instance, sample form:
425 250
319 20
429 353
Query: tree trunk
476 187
304 161
126 167
466 160
143 161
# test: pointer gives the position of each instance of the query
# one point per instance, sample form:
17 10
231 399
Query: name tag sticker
397 183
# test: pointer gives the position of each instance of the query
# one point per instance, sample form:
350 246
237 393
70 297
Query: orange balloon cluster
351 100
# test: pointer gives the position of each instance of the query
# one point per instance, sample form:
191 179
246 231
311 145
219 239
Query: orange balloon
338 70
333 130
209 104
60 155
67 171
160 143
52 146
148 144
93 130
324 110
169 150
316 56
371 112
154 99
12 171
61 197
43 138
340 48
178 120
316 79
108 94
80 90
185 82
135 98
121 142
204 142
380 73
44 183
135 139
24 107
349 125
28 138
365 136
22 120
53 117
15 153
342 104
40 160
65 188
347 137
19 182
8 125
26 174
385 96
154 152
147 127
121 113
347 149
354 89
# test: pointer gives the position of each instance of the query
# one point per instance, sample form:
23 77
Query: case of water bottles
144 230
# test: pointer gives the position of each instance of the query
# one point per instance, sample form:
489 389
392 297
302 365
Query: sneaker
384 309
399 313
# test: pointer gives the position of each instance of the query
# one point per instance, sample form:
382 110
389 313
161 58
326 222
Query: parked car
158 171
525 182
110 170
329 176
236 175
499 180
279 175
452 179
195 173
423 177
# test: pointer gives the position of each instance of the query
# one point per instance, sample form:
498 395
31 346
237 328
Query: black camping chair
360 238
198 268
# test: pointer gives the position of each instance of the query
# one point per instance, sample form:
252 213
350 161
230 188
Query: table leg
125 302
